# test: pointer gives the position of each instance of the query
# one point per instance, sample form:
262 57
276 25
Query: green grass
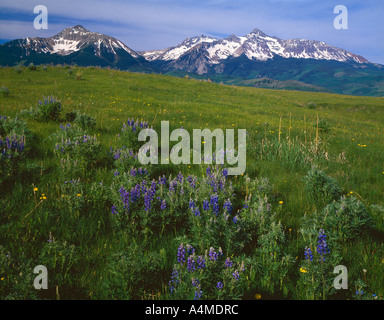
352 152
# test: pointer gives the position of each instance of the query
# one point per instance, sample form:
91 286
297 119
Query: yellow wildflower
303 270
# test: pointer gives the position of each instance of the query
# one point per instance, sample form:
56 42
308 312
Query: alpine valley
255 59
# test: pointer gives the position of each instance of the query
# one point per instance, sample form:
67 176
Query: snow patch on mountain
255 46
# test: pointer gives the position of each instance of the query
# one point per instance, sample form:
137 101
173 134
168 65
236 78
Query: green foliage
16 277
122 253
207 276
132 272
76 151
321 188
47 110
292 153
344 219
311 105
32 67
316 274
324 126
377 214
59 258
4 91
15 141
82 120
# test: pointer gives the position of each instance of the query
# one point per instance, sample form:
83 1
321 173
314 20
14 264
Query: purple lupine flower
181 254
236 275
163 205
172 185
135 193
219 285
197 212
198 295
205 205
180 177
213 255
308 254
191 264
195 282
322 247
228 263
228 206
174 280
235 219
124 195
200 262
225 172
162 180
192 204
215 203
190 249
113 209
149 195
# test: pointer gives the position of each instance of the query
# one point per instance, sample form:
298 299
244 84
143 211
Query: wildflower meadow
76 199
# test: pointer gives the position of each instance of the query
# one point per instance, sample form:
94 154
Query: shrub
132 272
377 213
344 219
320 187
47 110
17 276
79 75
82 120
76 151
4 91
311 105
85 121
14 126
130 132
12 155
205 275
324 126
59 258
32 67
316 269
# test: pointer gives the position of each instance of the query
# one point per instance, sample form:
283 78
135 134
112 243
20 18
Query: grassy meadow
75 199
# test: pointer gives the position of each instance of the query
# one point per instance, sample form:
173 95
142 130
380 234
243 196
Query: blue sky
157 24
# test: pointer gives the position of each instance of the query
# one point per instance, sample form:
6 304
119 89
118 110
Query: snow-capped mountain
255 59
74 45
255 46
175 53
72 40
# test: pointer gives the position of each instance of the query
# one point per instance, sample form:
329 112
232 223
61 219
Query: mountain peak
257 32
76 31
